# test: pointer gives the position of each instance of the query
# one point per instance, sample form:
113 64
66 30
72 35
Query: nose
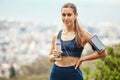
66 17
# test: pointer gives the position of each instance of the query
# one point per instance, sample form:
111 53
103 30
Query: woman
73 39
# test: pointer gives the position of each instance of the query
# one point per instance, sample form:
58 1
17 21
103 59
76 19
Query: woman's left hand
78 63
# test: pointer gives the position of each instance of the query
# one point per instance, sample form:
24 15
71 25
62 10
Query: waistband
68 69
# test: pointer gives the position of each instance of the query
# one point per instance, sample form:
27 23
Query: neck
69 29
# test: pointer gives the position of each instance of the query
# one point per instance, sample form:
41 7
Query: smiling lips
66 21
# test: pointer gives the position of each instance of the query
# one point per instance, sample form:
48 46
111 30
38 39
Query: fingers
56 53
78 64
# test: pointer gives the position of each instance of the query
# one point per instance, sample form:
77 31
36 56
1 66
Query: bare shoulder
54 37
86 36
56 34
53 42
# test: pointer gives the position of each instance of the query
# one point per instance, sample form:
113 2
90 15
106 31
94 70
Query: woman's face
68 16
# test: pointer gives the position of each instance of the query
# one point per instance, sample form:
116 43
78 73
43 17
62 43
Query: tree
107 68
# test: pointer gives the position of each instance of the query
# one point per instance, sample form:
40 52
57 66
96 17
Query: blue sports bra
69 48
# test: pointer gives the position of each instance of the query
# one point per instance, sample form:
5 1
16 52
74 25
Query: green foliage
107 68
88 71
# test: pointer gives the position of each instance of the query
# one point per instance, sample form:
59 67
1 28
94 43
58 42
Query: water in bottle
58 48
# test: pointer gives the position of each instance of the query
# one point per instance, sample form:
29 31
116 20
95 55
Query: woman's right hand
54 55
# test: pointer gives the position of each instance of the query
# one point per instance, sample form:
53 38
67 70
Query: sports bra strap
59 34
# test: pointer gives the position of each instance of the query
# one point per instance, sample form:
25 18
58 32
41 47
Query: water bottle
58 48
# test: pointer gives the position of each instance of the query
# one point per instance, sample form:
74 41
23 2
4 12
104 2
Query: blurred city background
27 27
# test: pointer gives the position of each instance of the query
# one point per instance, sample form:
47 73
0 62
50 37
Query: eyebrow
66 13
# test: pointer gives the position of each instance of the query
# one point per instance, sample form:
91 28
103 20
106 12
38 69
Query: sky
49 11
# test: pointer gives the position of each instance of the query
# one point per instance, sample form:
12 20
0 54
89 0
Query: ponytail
78 32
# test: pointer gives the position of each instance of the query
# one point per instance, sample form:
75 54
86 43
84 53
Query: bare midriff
67 61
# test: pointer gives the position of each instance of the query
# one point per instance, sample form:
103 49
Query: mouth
66 22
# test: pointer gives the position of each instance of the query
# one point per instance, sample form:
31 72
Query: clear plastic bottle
58 48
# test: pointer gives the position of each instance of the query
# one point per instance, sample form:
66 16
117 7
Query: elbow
51 58
104 54
52 61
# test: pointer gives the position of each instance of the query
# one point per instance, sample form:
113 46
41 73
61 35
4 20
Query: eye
63 15
69 14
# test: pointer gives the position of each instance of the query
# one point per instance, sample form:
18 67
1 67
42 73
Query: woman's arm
93 56
51 55
53 52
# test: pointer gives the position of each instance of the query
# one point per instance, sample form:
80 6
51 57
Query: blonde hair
78 29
